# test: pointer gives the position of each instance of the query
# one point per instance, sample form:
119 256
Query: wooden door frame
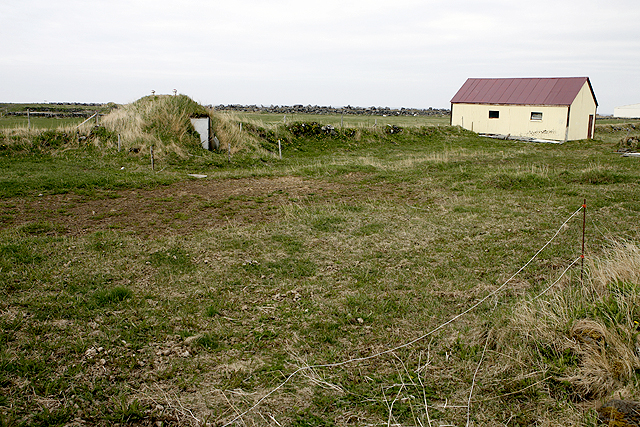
590 130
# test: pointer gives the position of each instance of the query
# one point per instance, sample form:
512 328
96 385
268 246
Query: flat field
266 119
378 272
13 122
38 121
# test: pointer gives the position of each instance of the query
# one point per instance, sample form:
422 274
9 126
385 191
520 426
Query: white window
536 116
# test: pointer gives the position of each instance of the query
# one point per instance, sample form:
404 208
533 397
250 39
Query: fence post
280 149
152 162
28 119
118 143
584 226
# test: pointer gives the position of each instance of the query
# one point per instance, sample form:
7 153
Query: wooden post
280 149
341 119
28 119
285 119
229 152
119 143
152 162
584 226
97 115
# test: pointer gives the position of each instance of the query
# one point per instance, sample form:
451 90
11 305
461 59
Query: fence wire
431 332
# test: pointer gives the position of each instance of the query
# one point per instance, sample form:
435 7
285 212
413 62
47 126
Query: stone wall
348 110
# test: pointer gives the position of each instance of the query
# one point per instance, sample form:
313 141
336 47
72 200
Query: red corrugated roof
523 91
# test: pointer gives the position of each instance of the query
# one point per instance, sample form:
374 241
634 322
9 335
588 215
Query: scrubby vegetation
139 296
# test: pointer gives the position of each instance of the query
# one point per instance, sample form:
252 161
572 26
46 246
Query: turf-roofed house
556 109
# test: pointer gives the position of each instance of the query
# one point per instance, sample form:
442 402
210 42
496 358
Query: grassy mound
161 121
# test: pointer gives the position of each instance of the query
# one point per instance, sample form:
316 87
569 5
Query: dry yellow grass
161 121
595 322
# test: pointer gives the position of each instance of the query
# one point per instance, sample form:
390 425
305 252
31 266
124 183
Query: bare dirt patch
185 206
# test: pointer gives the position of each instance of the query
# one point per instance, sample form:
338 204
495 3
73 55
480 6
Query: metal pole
584 226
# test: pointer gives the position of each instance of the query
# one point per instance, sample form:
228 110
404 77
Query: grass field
40 122
607 120
12 122
266 119
150 297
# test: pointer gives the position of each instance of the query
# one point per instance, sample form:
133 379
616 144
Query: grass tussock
585 336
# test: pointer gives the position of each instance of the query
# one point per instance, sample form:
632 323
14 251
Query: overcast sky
400 53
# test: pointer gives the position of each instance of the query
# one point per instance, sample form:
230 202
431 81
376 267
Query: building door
590 130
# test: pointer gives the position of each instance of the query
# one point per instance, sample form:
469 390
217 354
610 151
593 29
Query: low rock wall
318 110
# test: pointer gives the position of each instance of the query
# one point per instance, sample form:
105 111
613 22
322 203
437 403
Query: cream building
558 109
627 111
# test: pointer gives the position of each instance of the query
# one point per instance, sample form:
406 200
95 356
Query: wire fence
410 343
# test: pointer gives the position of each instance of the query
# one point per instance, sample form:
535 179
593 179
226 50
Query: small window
494 114
536 116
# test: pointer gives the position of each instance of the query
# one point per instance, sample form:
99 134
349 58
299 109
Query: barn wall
627 111
583 106
514 120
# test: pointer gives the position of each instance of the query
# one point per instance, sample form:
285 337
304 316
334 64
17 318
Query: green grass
266 119
10 122
82 174
381 238
36 121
